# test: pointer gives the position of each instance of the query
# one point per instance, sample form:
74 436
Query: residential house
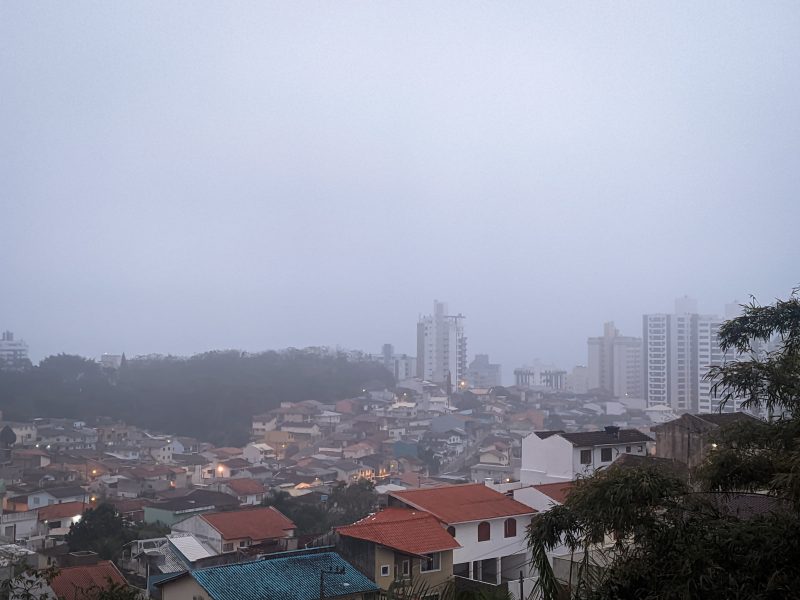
400 547
240 529
687 439
182 507
259 453
349 471
489 527
85 581
249 492
65 438
56 519
30 458
158 450
57 495
230 468
261 424
25 432
299 577
549 456
543 496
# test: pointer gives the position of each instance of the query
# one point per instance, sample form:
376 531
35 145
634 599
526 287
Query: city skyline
318 176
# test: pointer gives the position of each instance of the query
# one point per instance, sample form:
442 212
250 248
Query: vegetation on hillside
210 396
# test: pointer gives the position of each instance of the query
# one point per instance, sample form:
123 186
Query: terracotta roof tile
557 491
72 582
410 531
246 486
462 503
256 524
59 511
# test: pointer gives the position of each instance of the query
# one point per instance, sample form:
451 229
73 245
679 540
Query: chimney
613 430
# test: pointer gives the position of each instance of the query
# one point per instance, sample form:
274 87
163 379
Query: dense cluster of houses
455 489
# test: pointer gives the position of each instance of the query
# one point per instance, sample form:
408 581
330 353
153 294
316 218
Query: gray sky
182 176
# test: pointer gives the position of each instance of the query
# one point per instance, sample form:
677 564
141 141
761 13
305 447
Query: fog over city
179 177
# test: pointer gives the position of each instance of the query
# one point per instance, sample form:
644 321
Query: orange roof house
400 546
238 529
85 582
461 503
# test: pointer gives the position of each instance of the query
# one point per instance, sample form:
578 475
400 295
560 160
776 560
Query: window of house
484 531
628 449
510 528
36 499
243 544
641 448
385 570
227 547
586 457
431 562
406 568
605 455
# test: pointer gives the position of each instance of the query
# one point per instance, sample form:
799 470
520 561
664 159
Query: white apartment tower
615 363
442 347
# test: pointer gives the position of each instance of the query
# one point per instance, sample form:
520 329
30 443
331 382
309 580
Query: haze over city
278 175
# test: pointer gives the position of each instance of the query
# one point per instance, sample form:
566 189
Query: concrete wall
184 588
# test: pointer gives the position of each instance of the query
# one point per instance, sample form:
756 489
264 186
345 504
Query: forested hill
210 396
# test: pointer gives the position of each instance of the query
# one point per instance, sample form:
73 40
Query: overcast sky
184 176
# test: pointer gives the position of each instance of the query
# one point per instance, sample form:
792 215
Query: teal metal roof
290 578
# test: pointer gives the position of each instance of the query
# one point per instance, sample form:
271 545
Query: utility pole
322 573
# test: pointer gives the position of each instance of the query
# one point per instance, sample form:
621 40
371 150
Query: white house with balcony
489 526
553 456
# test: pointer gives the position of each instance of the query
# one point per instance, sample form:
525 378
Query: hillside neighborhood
391 490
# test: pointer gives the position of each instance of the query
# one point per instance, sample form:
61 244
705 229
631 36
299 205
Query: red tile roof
72 582
245 486
557 491
462 503
59 511
409 531
256 524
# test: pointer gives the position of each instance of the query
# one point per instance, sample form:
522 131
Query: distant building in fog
483 374
111 361
441 347
540 376
12 352
615 363
401 366
578 380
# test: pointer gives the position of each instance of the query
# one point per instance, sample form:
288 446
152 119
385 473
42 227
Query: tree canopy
210 396
646 533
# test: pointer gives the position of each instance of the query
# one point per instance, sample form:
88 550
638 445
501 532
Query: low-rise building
238 529
687 438
400 547
300 577
550 456
488 526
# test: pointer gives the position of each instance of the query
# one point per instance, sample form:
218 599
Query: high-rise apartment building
442 347
12 352
615 363
670 357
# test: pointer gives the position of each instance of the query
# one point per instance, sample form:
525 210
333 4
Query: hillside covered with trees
210 396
